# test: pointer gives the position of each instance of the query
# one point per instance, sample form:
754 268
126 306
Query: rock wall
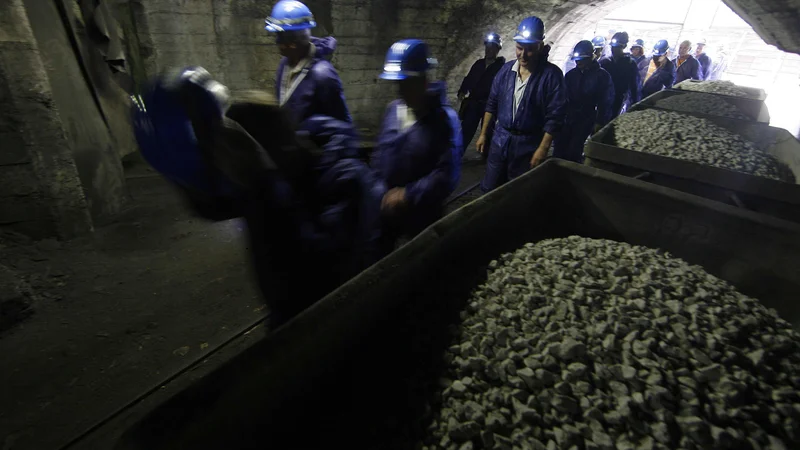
86 125
40 192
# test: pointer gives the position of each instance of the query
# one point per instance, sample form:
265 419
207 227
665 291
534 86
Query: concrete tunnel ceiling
776 21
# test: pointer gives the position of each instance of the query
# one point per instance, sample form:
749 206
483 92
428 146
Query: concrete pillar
40 191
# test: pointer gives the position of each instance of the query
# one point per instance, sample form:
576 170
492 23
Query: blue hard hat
638 43
582 50
661 48
493 38
619 39
407 58
530 31
599 42
163 127
290 15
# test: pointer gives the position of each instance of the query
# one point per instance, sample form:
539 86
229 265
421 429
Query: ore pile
593 344
715 87
695 139
703 104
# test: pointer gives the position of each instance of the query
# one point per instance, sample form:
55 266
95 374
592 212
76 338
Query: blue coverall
643 63
478 83
625 75
662 78
424 159
310 231
705 66
590 94
515 139
689 70
319 90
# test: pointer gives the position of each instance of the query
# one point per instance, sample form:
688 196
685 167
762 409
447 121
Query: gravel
553 351
703 104
714 87
695 139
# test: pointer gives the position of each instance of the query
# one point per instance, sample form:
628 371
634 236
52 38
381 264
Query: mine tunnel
128 319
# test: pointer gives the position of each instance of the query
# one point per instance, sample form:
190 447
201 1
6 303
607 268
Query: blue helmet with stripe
638 43
407 58
290 15
530 31
599 42
661 48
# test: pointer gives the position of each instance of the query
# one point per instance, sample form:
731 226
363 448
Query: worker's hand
481 144
539 156
393 200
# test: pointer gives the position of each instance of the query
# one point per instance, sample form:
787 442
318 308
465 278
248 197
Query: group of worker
601 81
316 210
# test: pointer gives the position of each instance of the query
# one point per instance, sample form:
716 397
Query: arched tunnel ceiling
776 21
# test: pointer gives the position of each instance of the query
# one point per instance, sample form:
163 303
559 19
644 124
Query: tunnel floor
120 312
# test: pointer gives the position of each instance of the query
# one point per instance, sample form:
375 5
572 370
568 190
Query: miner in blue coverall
704 60
663 74
306 84
526 107
686 67
418 155
624 73
311 206
638 56
590 94
477 85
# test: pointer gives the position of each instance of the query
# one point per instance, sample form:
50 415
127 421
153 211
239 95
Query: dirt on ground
113 315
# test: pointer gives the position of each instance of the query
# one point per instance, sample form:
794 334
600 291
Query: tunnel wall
228 38
93 147
40 192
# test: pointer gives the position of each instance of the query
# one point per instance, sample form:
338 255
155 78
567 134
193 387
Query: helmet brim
582 57
523 40
275 28
393 76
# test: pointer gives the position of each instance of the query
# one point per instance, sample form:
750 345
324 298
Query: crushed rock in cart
715 87
696 139
596 344
703 104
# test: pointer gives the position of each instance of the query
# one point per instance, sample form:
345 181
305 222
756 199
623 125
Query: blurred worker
638 56
474 90
419 149
661 74
686 67
310 205
590 94
528 104
703 59
307 84
624 73
608 49
720 64
599 43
